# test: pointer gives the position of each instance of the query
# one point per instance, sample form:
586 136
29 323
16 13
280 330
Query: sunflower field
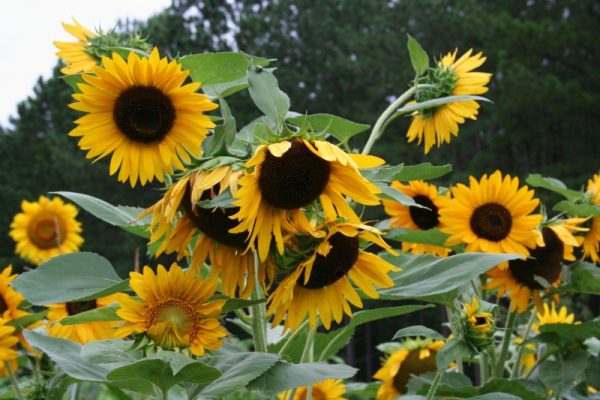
268 248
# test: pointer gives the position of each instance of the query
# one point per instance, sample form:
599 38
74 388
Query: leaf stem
517 366
259 326
434 385
510 323
292 336
13 380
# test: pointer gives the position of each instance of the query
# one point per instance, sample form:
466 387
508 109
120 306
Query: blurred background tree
349 58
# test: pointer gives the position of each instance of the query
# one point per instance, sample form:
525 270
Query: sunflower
45 229
81 333
452 77
415 357
224 250
173 309
330 389
8 354
292 174
140 111
320 286
549 315
74 54
525 278
492 215
564 229
479 325
591 240
417 218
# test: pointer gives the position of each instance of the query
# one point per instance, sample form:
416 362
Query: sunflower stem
259 323
517 366
483 368
434 385
13 380
510 323
308 355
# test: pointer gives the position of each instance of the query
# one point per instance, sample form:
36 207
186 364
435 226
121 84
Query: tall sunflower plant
261 259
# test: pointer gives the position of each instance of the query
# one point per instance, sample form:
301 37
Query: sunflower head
492 215
411 357
140 111
549 315
45 228
330 389
173 310
451 77
478 325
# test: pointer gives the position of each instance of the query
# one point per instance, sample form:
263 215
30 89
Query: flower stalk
259 323
510 323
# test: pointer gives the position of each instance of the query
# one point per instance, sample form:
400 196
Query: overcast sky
28 28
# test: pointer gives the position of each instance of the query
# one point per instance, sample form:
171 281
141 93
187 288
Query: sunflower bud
478 325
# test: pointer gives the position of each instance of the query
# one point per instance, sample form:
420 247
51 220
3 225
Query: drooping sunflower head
75 54
321 286
492 215
549 315
8 341
591 240
478 324
416 218
287 176
566 230
141 112
451 77
412 357
45 229
330 389
173 309
81 333
527 277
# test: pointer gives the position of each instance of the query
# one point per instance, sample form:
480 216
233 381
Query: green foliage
431 236
340 128
418 57
536 180
418 331
267 96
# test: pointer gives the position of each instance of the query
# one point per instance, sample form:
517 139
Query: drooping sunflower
224 250
417 218
320 285
85 332
45 229
415 357
74 54
140 111
591 240
330 389
479 325
452 77
292 174
493 215
173 309
549 315
8 342
521 278
566 229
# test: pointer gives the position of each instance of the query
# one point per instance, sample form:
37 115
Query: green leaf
222 200
122 216
584 278
221 74
260 128
427 275
267 96
166 369
453 350
236 304
436 103
418 57
284 376
554 185
384 173
578 210
69 277
570 332
238 370
560 375
74 80
418 331
97 314
391 193
423 171
109 353
24 322
66 354
431 236
224 135
340 128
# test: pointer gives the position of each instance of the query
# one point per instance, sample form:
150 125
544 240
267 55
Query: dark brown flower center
144 114
295 179
491 221
546 262
422 217
413 365
336 264
480 321
214 223
76 307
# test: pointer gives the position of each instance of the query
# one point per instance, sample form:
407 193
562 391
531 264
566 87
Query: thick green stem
510 323
259 323
517 366
379 125
483 367
434 385
13 380
308 355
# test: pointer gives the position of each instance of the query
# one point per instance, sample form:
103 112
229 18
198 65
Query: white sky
28 28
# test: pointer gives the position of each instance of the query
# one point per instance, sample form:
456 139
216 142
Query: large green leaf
267 96
109 353
418 57
69 277
391 193
560 375
554 185
453 350
418 331
431 236
284 376
340 128
124 217
425 275
578 209
166 369
562 333
584 278
97 314
405 173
